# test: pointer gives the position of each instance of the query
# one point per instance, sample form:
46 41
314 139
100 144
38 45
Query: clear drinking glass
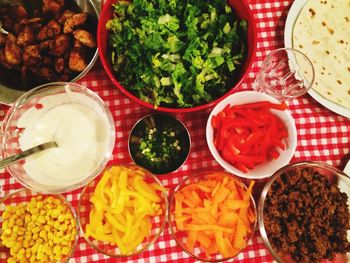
285 73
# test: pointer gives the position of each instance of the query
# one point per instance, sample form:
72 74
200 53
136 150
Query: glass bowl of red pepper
251 134
123 211
212 215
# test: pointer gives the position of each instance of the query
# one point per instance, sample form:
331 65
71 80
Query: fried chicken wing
52 29
74 22
85 38
31 55
13 52
65 15
60 45
3 38
77 60
26 36
53 7
3 60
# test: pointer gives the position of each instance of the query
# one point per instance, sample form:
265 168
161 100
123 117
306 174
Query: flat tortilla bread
322 32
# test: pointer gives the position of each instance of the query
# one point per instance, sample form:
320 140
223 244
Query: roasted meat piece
77 60
60 45
19 12
65 15
46 45
85 38
13 52
53 7
3 38
59 65
52 29
26 36
45 73
3 60
31 55
74 22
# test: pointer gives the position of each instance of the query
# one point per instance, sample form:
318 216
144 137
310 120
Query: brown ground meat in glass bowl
303 213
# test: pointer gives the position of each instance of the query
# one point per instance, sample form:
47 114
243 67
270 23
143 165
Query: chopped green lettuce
176 53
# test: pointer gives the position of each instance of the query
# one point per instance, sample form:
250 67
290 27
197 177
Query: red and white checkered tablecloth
322 136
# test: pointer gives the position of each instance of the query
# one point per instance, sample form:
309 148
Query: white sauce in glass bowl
79 127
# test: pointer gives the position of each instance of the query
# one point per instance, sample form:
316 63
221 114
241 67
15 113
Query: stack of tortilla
322 32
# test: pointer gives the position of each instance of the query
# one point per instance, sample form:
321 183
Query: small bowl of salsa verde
159 142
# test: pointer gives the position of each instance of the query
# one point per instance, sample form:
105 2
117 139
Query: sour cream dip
80 127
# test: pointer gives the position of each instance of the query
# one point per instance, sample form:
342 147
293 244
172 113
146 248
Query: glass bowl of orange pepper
212 215
123 211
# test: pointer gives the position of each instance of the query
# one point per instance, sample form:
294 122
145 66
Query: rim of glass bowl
164 216
48 87
27 193
172 118
172 227
288 167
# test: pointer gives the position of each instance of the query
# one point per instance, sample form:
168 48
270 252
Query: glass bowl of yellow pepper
37 227
123 211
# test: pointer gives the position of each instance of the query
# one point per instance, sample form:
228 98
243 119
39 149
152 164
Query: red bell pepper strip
249 134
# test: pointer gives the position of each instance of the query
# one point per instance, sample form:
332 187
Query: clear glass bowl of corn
36 227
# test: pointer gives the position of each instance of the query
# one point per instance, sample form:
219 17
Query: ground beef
307 217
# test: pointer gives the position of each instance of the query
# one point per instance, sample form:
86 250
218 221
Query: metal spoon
17 157
3 31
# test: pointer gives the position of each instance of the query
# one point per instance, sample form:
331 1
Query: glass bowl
73 116
148 134
24 196
180 235
157 222
267 168
282 216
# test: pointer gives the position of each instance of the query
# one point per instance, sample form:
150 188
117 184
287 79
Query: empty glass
285 73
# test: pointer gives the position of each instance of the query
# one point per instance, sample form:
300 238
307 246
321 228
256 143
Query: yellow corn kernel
42 212
63 227
8 231
61 218
59 234
65 251
26 244
55 213
32 258
57 250
35 236
36 230
11 222
34 217
20 238
22 251
40 204
11 260
43 234
56 240
6 214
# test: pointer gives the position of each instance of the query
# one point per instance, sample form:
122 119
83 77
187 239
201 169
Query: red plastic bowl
243 11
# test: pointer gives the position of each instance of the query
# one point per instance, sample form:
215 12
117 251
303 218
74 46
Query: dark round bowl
243 11
161 121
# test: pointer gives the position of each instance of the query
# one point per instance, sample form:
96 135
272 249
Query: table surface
322 136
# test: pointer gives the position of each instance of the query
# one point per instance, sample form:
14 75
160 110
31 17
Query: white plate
293 14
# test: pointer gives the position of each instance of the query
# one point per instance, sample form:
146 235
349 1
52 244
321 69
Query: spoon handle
17 157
